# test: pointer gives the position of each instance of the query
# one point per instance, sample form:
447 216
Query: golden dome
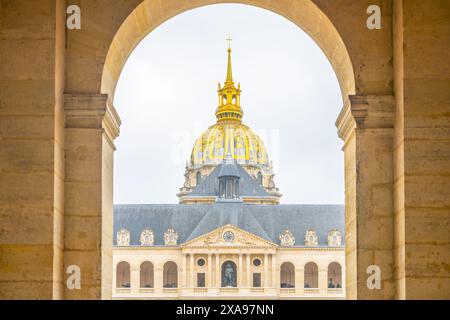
229 137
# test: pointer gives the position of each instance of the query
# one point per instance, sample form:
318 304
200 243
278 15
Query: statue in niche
229 274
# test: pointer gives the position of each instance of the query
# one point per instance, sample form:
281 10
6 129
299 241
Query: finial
229 42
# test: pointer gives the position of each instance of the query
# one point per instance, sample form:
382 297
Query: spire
230 68
229 95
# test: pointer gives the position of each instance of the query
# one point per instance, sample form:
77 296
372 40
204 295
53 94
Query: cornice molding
366 112
212 250
92 111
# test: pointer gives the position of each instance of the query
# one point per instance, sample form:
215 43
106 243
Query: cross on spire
229 42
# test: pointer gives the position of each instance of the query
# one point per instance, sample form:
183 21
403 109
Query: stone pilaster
248 271
299 282
192 275
366 126
158 280
323 281
184 271
266 270
275 272
240 270
218 271
91 125
135 280
210 275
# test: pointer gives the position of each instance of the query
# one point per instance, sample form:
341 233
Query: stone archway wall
151 13
361 64
57 126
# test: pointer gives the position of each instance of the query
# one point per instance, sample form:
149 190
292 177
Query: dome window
229 179
259 178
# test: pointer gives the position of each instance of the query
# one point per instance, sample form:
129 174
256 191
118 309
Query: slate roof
265 221
248 187
229 170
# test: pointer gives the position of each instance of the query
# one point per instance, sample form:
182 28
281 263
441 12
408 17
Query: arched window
259 178
170 275
229 276
334 275
222 188
287 275
311 275
198 178
146 275
123 275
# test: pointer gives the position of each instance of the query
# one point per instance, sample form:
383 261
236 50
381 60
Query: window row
228 275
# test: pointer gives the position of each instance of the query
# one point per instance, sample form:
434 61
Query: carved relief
123 238
245 240
334 238
170 237
213 238
287 239
147 238
311 238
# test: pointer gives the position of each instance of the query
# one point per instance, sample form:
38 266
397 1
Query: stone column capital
91 111
366 112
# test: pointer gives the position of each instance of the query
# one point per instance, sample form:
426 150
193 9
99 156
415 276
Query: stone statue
229 276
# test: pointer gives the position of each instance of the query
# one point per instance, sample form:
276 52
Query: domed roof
233 137
229 139
229 134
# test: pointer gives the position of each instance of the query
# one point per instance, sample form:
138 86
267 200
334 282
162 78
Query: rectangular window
257 280
201 283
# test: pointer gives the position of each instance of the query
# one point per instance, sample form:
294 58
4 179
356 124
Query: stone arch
170 275
123 275
308 15
334 275
146 275
151 13
311 275
287 275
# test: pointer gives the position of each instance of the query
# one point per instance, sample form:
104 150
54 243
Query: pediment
229 236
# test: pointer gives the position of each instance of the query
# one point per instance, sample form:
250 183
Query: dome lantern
229 108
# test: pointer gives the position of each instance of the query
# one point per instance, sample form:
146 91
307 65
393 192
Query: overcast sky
167 96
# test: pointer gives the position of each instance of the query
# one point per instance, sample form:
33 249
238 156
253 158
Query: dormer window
259 178
229 179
